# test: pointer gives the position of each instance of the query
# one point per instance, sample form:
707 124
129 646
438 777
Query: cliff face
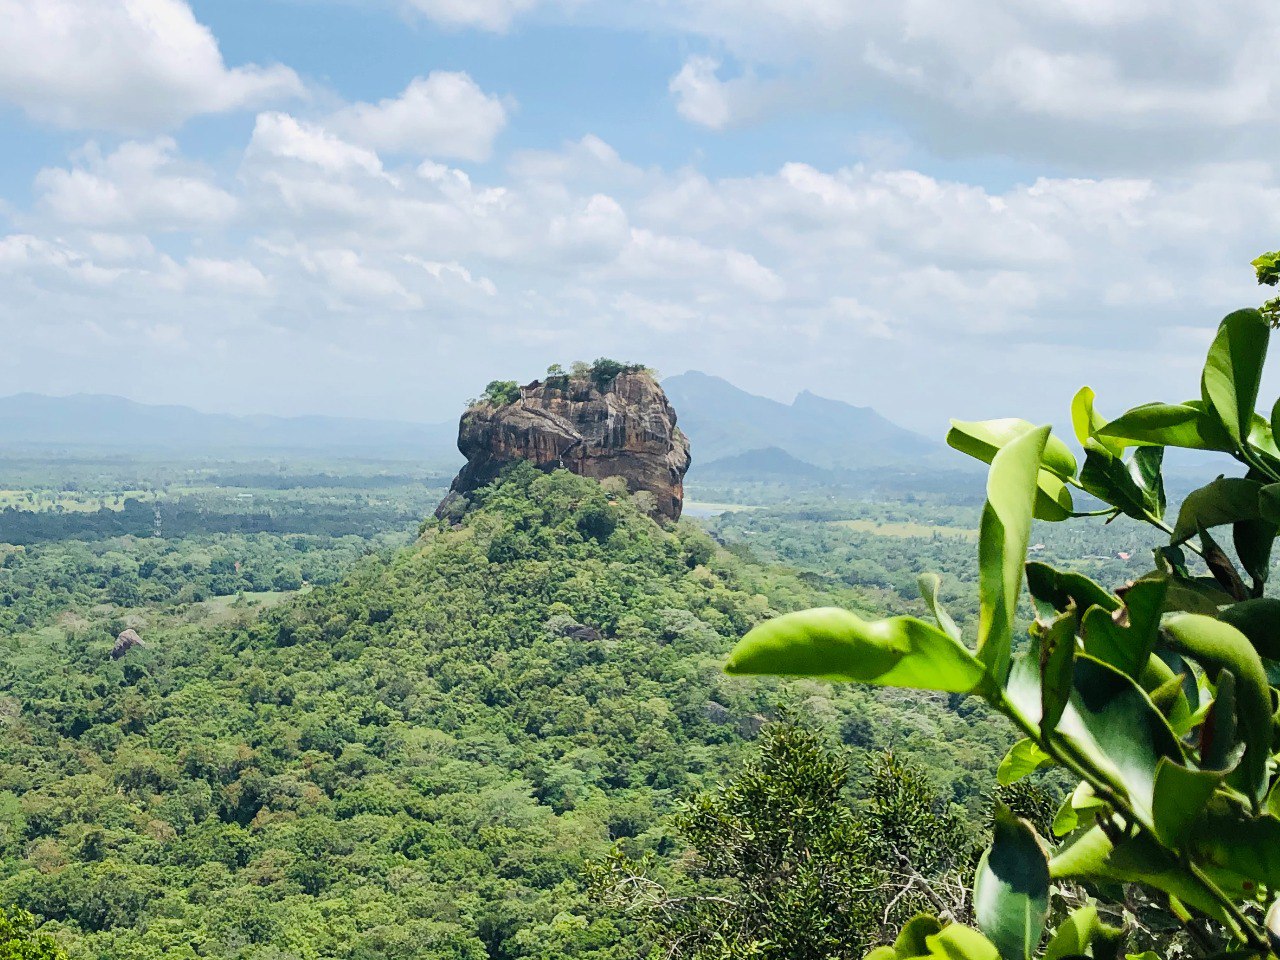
625 428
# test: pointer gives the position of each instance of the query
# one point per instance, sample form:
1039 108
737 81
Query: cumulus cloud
877 284
138 184
132 65
282 136
1088 81
444 114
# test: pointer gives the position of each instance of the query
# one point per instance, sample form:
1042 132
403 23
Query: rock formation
597 427
126 642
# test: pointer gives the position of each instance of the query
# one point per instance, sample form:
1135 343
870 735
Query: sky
373 207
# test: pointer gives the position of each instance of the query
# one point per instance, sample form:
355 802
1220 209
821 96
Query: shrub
1157 697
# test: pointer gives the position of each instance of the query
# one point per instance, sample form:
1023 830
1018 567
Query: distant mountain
770 463
114 423
723 421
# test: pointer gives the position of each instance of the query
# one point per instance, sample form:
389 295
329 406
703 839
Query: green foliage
412 760
1151 696
499 393
781 862
20 941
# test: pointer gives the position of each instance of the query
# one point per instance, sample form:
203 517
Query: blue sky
940 207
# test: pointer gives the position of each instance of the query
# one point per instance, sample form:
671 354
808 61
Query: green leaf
1082 934
1086 422
882 953
1115 728
1109 479
1056 590
984 439
1002 546
1139 859
1189 425
1011 890
835 644
1219 646
913 939
1125 638
1225 500
1146 466
1082 800
1023 759
1253 540
957 942
1233 371
1181 795
929 584
1259 621
1269 503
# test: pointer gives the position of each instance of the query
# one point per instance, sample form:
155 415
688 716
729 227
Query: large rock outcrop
623 427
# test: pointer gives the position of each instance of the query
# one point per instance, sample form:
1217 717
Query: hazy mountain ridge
104 421
725 421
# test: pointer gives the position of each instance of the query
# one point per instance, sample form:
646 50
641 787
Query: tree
501 392
781 864
19 940
1157 696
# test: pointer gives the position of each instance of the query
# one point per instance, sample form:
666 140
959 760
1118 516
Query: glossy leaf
913 938
1086 422
1023 759
1011 890
1126 638
1190 425
1225 500
1219 646
984 439
1233 370
1181 795
1092 856
1116 729
835 644
957 942
930 584
1056 590
1259 621
1082 934
1002 546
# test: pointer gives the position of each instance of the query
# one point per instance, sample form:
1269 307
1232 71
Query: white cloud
1144 81
139 184
226 276
700 95
882 285
494 15
128 65
282 136
443 114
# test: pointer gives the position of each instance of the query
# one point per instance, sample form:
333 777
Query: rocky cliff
618 427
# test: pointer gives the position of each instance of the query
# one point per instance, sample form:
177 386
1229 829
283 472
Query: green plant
19 940
501 392
1158 697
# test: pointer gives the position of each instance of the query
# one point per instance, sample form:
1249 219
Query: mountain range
732 432
724 423
103 422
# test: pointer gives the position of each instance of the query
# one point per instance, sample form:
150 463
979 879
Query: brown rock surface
625 428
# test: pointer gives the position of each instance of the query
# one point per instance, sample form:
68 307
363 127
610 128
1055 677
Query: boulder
127 640
623 427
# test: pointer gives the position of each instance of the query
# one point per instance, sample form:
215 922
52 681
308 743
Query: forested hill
416 761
